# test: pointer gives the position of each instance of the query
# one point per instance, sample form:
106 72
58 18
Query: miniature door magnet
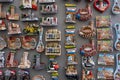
117 71
37 63
47 1
11 15
2 25
26 4
84 14
70 13
117 42
2 14
101 5
14 42
88 49
24 75
10 75
88 31
29 42
48 21
38 77
25 63
2 59
3 43
6 0
116 7
11 62
40 45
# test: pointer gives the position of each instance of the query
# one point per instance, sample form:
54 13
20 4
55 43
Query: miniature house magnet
2 14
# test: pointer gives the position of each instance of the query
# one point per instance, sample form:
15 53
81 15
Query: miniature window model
2 14
2 25
25 63
70 13
48 8
11 62
3 43
53 35
116 7
30 16
53 48
24 74
2 59
38 77
84 14
48 21
26 4
13 28
6 0
46 1
11 15
14 42
31 29
29 42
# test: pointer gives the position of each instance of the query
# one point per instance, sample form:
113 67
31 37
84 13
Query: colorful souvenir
31 29
29 42
30 16
26 4
88 62
37 63
53 48
10 75
2 59
10 61
88 49
71 59
24 75
46 1
2 14
116 7
48 8
38 77
104 33
6 0
14 28
117 31
3 43
2 76
88 31
117 71
84 14
87 75
2 25
40 46
53 35
106 59
25 63
48 21
103 21
70 13
11 15
105 46
14 42
101 5
105 74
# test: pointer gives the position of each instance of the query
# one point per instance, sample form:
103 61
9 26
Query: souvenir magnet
117 71
3 43
116 7
47 1
88 31
71 59
40 45
2 76
37 63
24 75
10 61
25 63
2 59
2 25
14 42
6 0
2 14
11 15
101 5
38 77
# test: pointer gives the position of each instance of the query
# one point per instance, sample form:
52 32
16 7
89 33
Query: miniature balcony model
10 75
3 43
2 14
48 8
2 59
39 77
13 28
6 0
30 16
25 63
2 25
11 13
26 4
48 21
24 75
46 1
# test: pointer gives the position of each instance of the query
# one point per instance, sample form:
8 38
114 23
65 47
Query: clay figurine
14 42
3 43
101 5
47 1
38 77
88 31
40 45
116 7
24 75
10 61
2 25
6 0
37 63
25 63
11 15
2 14
84 14
2 59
